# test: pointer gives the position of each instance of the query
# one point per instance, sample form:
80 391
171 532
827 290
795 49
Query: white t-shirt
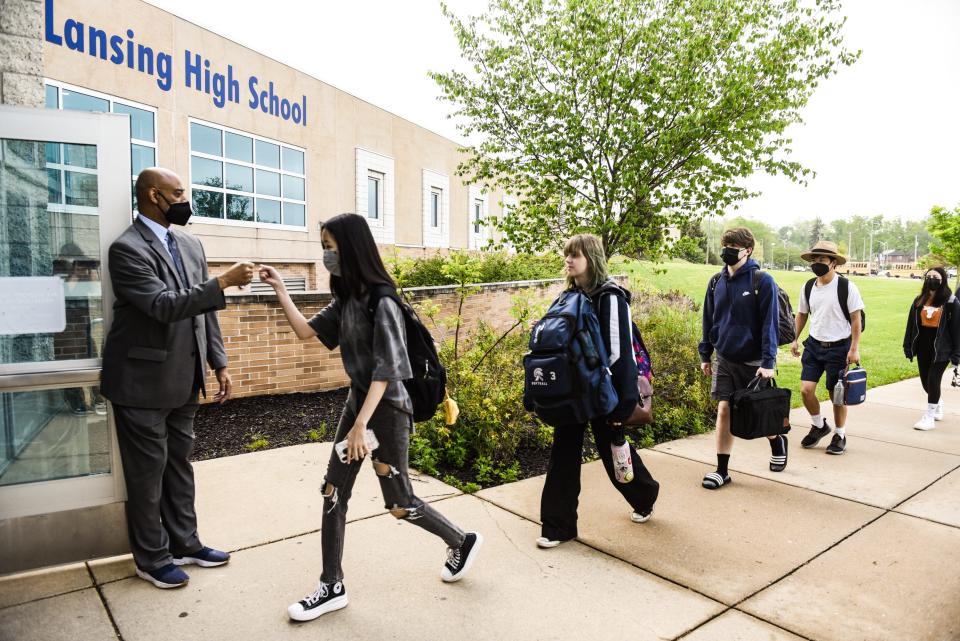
827 322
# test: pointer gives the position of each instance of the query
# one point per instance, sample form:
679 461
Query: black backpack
786 322
843 288
428 386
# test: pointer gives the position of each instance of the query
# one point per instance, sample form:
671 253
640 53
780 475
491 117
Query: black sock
619 436
777 446
722 460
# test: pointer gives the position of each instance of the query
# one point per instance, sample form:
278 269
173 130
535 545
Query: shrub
484 378
257 442
670 324
489 267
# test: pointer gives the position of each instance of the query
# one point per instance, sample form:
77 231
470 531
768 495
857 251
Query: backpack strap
377 293
714 280
757 275
807 289
843 290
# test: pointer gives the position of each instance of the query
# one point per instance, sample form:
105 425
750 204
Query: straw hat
824 248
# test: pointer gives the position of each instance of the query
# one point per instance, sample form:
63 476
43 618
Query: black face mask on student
730 256
932 284
177 213
820 269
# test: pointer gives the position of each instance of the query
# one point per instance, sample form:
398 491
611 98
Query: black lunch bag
760 410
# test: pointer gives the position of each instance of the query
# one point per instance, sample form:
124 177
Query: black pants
392 428
931 372
561 491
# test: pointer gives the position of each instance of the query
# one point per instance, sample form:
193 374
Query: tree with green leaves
622 117
945 227
816 231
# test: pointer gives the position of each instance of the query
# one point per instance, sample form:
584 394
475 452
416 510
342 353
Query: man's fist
238 275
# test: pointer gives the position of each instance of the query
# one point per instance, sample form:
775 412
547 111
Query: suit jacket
163 329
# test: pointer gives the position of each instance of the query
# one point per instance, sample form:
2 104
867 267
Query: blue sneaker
169 576
205 557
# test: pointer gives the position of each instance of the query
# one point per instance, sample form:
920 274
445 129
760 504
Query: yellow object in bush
450 410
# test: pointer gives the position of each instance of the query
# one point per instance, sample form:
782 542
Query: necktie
177 260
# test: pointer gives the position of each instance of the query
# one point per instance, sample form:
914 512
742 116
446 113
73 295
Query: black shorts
818 359
728 377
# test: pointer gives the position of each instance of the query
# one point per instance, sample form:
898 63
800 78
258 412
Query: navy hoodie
612 304
739 324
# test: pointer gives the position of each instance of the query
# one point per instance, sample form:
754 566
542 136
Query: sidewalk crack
103 601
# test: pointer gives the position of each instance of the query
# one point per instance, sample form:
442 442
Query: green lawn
887 301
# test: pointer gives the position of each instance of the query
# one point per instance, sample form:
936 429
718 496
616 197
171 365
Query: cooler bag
854 385
760 410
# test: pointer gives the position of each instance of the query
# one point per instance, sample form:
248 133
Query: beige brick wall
266 357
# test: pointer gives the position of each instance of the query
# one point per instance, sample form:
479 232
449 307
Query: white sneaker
925 423
938 415
545 543
639 517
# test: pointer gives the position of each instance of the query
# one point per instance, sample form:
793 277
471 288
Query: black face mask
177 213
933 284
820 269
730 256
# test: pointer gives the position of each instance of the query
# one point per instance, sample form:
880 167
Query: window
143 134
375 180
477 215
374 195
246 179
435 199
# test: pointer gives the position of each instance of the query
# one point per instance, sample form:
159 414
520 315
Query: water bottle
838 393
369 439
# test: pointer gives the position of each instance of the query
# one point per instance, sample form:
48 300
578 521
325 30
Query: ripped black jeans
392 428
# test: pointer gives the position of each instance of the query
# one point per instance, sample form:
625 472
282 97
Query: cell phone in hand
369 439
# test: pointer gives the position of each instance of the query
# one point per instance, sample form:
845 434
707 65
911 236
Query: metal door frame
111 135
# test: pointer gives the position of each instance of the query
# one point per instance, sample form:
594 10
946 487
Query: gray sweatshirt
374 351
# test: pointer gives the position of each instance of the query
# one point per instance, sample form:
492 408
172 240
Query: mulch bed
280 420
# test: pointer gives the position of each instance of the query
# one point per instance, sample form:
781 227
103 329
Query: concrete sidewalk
862 546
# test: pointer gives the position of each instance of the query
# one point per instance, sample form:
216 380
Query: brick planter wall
266 357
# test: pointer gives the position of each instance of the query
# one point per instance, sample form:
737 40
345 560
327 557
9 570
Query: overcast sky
883 135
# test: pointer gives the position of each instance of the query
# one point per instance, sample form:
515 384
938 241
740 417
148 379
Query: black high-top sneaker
460 559
326 598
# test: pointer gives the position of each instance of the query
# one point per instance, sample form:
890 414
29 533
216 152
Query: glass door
64 197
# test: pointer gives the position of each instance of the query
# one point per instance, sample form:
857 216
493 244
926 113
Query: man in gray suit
164 328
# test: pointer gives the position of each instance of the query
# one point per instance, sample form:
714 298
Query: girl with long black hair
933 336
374 353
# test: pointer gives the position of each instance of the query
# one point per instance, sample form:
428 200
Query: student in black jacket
586 269
933 336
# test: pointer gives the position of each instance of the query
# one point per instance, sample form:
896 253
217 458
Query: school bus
905 270
857 269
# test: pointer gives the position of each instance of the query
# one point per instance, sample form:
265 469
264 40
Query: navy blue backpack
567 371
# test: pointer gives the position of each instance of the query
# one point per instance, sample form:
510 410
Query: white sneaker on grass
925 423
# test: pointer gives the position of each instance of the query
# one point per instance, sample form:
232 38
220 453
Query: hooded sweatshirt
612 303
740 324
